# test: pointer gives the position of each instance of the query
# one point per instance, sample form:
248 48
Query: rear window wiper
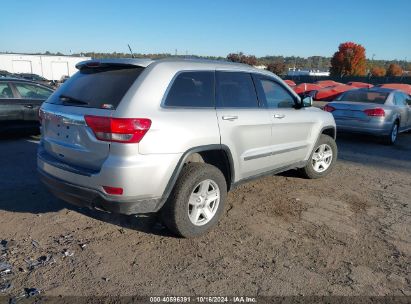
67 99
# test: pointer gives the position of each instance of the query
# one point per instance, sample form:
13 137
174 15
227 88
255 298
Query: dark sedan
20 101
36 78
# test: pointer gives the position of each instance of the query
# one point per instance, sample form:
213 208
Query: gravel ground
347 234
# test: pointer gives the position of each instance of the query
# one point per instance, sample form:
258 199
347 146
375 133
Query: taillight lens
328 108
375 112
125 130
113 190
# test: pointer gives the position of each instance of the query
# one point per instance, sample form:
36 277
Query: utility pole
372 65
131 52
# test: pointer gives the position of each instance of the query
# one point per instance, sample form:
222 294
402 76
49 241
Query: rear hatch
96 89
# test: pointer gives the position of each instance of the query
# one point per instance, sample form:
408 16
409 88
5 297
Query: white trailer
50 67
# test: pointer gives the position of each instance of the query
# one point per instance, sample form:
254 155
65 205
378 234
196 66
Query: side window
192 89
275 95
5 91
28 91
236 90
400 99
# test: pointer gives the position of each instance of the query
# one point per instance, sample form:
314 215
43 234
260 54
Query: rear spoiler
115 62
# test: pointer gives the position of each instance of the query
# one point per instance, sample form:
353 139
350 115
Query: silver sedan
376 111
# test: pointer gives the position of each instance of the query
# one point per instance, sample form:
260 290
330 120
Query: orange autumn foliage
349 60
378 71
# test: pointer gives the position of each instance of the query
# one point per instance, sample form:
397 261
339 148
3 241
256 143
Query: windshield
364 96
97 87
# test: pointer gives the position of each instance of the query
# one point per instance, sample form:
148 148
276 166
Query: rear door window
400 99
236 90
192 89
97 87
30 91
5 91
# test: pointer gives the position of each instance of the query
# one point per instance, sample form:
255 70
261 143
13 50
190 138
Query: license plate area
63 128
350 114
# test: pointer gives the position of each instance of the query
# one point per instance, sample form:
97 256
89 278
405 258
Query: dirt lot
348 234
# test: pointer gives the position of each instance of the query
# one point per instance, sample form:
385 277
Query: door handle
279 116
29 106
230 117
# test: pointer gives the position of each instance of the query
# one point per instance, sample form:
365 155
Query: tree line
353 62
348 60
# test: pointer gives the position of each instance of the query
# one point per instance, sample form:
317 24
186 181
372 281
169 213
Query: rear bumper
377 128
143 179
85 197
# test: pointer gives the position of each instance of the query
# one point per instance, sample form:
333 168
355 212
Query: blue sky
208 27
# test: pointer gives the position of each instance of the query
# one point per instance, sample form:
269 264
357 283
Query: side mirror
307 102
409 101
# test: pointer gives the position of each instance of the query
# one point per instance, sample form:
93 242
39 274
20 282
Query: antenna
131 52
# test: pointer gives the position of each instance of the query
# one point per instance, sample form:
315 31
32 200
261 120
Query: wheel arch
330 131
217 154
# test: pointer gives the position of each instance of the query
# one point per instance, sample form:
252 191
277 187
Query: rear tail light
125 130
113 190
328 108
379 112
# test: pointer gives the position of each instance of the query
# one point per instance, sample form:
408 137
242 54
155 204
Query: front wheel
197 200
322 158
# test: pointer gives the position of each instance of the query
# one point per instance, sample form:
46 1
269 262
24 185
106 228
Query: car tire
392 137
190 211
322 158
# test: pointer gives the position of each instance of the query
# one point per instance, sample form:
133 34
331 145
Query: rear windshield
364 96
97 87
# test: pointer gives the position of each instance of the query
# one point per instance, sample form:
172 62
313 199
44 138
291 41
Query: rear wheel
197 200
322 159
392 137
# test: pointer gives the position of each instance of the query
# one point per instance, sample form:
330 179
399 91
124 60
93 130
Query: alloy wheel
203 202
322 158
394 133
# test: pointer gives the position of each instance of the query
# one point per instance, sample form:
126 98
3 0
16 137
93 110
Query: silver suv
173 136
